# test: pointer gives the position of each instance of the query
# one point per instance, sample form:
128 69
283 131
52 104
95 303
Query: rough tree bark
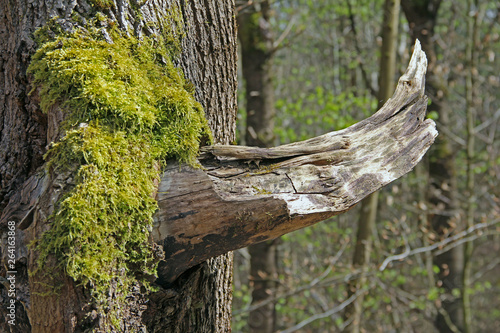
200 299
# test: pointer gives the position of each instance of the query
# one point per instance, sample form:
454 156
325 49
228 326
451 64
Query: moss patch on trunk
129 108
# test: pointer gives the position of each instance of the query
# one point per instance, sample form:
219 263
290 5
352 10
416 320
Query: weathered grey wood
245 195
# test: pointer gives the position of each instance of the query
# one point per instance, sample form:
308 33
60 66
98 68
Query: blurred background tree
369 206
433 264
257 53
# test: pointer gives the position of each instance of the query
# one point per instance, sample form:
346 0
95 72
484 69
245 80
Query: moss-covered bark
106 90
127 110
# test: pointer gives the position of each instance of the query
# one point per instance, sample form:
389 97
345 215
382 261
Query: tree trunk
471 96
256 40
201 299
369 206
422 17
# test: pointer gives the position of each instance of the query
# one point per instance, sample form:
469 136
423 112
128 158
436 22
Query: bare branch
277 44
328 313
296 291
364 74
454 240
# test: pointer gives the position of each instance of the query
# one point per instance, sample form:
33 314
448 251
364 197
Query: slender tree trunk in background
369 205
469 215
256 40
254 32
199 300
422 175
472 43
422 18
361 258
263 278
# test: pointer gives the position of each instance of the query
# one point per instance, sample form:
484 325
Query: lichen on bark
128 109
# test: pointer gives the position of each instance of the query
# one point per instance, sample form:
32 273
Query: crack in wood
291 182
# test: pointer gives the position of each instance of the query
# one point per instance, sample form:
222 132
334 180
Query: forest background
422 255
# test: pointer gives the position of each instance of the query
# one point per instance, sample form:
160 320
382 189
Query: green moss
128 109
126 85
172 36
261 190
103 4
263 169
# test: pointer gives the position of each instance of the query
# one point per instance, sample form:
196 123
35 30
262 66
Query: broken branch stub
245 195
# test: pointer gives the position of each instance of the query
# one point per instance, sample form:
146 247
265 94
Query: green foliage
128 109
433 115
317 112
243 294
434 293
